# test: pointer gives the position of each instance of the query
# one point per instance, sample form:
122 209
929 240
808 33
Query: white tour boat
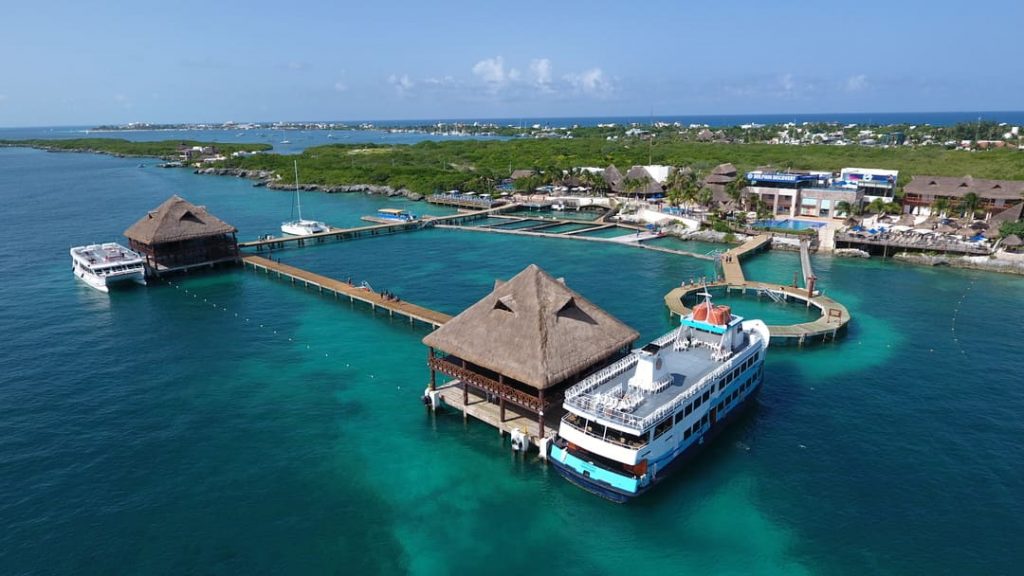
103 265
630 424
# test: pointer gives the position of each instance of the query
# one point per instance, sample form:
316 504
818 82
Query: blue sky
112 62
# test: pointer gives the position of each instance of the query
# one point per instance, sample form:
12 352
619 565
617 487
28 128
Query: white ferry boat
102 265
630 424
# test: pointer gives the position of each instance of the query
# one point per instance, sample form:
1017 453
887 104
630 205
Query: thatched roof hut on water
178 235
531 336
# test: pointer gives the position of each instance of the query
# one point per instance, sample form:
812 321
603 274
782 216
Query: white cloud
401 83
340 86
857 83
490 70
591 82
294 65
540 70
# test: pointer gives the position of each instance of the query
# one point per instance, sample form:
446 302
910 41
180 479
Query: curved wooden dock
834 316
354 293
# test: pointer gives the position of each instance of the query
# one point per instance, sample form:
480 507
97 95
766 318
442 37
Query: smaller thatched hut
1012 243
179 235
526 341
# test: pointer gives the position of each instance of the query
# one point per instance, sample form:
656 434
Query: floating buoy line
956 314
193 295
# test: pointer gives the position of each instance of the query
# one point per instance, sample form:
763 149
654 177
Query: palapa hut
525 342
1012 243
179 235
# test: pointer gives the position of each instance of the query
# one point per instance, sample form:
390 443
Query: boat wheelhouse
630 424
104 265
396 214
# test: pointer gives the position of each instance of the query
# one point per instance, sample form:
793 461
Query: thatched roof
1014 213
534 329
1012 240
175 220
613 177
522 173
726 169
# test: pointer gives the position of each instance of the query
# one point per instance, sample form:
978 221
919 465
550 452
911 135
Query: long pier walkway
614 240
805 262
372 230
340 289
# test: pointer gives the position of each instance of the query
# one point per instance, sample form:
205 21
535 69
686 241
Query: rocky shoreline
267 178
1001 262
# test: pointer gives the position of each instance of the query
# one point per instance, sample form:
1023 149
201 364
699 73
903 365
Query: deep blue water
232 423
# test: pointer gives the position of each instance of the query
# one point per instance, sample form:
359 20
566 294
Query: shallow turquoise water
155 432
609 232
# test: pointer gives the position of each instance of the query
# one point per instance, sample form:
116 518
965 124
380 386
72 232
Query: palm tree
843 207
704 197
892 208
940 205
970 203
736 188
877 206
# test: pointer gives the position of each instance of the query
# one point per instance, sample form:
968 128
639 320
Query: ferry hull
103 284
618 496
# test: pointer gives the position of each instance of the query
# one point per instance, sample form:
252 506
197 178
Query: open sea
230 423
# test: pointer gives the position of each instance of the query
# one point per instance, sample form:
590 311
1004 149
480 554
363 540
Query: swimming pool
791 224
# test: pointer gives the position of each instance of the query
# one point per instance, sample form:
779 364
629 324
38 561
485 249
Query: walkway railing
517 397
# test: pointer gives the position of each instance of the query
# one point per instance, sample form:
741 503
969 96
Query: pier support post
433 374
540 413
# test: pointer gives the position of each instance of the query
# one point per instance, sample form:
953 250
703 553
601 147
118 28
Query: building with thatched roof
522 173
993 195
613 178
1012 243
526 341
178 235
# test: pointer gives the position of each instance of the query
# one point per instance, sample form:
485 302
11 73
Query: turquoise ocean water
231 423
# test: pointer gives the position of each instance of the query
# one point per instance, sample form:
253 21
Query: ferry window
664 426
707 394
698 402
721 384
735 374
679 417
689 409
704 420
687 434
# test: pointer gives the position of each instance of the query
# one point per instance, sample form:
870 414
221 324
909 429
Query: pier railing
486 384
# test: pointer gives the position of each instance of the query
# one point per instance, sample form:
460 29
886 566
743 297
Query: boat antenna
298 201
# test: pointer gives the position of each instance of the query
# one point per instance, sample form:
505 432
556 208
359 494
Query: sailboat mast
298 200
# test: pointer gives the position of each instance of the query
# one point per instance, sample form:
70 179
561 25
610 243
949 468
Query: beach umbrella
857 228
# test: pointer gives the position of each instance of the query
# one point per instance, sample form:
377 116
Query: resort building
179 235
524 344
994 196
816 194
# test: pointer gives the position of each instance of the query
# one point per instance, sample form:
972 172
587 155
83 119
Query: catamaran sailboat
302 227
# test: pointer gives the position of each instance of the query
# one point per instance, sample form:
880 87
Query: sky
111 62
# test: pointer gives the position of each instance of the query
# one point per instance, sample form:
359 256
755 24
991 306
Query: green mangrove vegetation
166 149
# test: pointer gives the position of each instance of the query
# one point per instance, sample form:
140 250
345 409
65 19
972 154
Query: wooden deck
340 289
489 412
832 322
569 236
731 268
372 230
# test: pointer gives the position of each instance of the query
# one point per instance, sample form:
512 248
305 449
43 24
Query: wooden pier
489 412
343 289
520 232
834 316
277 243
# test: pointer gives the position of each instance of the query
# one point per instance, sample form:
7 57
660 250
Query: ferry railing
592 404
601 376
